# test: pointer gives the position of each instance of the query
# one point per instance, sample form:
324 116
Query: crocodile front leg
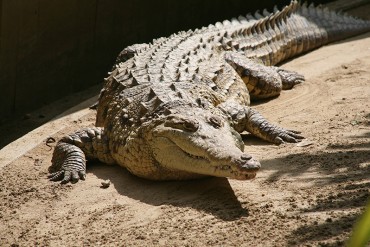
69 157
262 81
257 125
246 118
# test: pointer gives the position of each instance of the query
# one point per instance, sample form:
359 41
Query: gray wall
51 48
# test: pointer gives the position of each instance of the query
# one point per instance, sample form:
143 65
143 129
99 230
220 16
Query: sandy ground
306 195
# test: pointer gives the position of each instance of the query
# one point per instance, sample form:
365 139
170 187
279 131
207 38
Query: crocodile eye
215 122
175 122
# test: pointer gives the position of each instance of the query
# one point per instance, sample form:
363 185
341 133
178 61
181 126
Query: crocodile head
202 142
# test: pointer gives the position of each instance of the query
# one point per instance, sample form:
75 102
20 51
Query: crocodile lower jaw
246 176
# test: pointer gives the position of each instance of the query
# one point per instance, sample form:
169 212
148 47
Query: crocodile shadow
211 195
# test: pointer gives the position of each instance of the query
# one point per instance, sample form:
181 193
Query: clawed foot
259 126
67 174
283 135
68 164
290 78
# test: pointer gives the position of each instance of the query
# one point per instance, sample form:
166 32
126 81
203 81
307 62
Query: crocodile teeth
194 156
225 167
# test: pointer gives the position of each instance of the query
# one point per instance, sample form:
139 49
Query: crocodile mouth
238 174
192 156
245 175
224 168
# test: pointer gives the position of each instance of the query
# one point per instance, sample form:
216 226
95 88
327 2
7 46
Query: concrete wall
51 48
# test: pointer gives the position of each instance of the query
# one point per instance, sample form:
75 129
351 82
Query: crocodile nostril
246 157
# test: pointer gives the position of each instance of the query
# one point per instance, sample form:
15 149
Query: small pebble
105 184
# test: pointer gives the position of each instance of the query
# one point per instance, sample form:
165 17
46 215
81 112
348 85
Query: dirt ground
305 195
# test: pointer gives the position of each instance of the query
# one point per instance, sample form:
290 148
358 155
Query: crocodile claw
66 176
284 135
56 176
68 164
290 78
257 125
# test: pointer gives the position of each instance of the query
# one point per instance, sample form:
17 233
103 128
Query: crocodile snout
247 164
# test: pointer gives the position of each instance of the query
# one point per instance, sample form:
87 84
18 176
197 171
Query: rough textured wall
51 48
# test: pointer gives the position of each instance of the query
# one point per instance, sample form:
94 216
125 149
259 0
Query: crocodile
174 109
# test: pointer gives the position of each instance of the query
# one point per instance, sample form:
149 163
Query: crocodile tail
337 25
313 26
294 30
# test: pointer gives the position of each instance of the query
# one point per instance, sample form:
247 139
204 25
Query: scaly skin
174 109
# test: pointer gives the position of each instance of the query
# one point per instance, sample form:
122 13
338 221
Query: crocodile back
184 64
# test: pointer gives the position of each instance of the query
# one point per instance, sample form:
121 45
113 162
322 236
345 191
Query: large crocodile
173 109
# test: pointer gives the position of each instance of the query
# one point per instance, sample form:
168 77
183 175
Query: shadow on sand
212 195
344 170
